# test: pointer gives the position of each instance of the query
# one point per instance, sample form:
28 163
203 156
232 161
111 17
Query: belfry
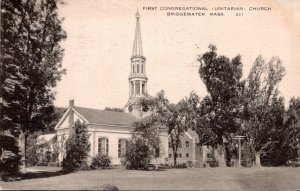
137 77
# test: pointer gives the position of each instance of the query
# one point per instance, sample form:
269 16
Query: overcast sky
100 40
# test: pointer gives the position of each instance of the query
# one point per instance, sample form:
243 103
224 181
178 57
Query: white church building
109 130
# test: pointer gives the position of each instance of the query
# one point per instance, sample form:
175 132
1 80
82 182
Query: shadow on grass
41 174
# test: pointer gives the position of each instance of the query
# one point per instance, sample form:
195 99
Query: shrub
100 161
77 149
183 165
212 162
190 164
110 187
138 154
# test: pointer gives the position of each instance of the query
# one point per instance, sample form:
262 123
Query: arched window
133 68
142 68
179 144
138 68
143 88
132 88
137 87
187 144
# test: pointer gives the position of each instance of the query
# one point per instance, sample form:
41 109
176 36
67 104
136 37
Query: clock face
130 108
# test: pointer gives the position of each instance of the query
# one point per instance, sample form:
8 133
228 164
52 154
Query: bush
138 154
100 161
212 162
190 164
183 165
110 187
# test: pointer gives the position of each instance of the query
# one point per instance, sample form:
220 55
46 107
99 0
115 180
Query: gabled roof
106 117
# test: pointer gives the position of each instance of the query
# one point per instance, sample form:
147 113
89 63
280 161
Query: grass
281 178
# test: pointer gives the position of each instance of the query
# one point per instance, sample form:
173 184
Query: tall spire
137 77
137 44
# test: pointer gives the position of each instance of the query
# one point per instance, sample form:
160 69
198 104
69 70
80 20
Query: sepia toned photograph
150 95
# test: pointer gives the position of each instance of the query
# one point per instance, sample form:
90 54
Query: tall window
103 146
143 88
137 87
187 144
138 68
133 68
121 147
142 68
179 144
170 145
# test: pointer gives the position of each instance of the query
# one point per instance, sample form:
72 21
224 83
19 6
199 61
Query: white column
129 89
146 91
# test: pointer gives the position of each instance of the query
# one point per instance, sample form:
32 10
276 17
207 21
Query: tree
175 130
156 109
9 80
260 99
275 150
293 125
77 149
222 78
31 63
179 118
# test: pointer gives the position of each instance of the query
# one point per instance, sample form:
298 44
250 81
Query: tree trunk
257 158
174 148
22 145
175 157
221 156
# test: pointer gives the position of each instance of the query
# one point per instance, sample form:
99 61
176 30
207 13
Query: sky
100 39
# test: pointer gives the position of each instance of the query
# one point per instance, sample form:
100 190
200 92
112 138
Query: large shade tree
222 78
261 99
31 33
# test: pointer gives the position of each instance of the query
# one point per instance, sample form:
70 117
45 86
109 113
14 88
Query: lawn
281 178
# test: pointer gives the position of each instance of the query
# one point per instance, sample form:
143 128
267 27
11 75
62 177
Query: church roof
106 117
137 44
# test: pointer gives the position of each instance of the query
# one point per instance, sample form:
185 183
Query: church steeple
137 49
137 77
